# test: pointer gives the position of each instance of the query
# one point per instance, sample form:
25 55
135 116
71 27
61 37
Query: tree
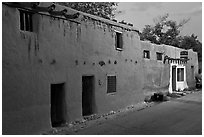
191 42
101 9
148 34
164 31
167 32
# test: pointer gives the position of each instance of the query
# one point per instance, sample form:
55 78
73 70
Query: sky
143 13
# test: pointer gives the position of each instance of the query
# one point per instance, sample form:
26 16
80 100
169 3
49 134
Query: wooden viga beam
51 11
73 16
42 9
64 13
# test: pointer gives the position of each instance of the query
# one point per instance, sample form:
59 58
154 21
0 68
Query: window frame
148 53
180 79
117 34
160 54
107 84
25 20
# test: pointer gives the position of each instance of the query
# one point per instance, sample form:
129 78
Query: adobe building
59 64
168 68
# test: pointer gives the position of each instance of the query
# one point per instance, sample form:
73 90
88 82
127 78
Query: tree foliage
167 32
191 42
164 31
101 9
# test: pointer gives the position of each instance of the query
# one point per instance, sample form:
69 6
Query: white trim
118 31
179 84
120 49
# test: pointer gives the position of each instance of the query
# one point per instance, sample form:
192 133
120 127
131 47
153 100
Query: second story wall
57 50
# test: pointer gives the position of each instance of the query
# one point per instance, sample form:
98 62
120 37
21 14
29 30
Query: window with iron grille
180 74
146 54
159 56
111 84
119 41
26 21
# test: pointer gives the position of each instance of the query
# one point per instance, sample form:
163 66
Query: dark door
57 104
173 78
192 72
87 95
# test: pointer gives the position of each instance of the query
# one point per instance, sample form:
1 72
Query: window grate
111 84
26 21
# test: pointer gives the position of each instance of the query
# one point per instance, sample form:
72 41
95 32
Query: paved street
182 116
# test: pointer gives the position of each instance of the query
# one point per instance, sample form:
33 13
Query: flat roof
72 11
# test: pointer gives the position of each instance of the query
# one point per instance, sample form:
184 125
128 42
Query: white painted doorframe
179 84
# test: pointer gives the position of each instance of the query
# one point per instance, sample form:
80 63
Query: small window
159 56
180 74
184 54
26 22
119 41
146 54
111 84
192 72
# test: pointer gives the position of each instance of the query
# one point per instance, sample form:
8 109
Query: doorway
173 78
88 95
58 104
192 72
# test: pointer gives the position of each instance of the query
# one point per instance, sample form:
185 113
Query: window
192 72
146 54
119 41
26 22
184 54
159 56
180 74
111 84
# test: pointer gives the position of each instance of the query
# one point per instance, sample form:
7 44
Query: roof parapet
54 9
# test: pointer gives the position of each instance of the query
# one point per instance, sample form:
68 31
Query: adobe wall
157 74
193 61
62 51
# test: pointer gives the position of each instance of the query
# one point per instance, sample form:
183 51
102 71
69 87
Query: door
57 104
173 78
87 95
192 72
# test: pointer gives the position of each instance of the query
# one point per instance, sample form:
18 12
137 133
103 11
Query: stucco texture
62 51
157 73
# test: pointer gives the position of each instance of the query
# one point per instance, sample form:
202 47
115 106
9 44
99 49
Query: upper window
184 54
119 40
180 74
159 56
146 54
111 84
26 22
